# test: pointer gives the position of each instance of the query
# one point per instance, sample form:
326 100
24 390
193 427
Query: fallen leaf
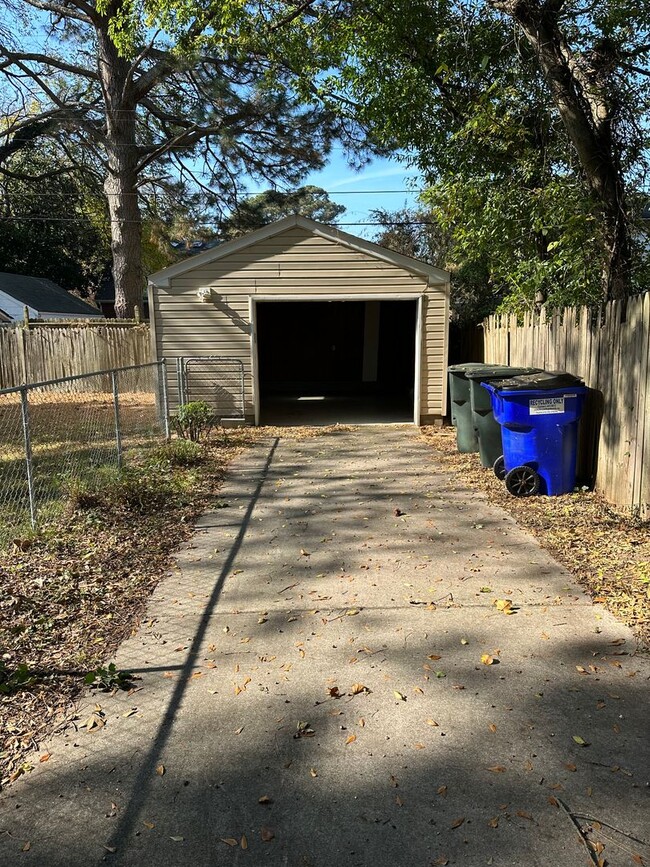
580 741
492 728
464 641
239 730
442 791
638 859
334 692
177 839
351 612
362 722
486 659
267 835
149 825
418 746
458 822
45 757
160 769
497 769
111 849
432 722
434 656
244 842
305 553
553 801
313 772
28 846
265 800
399 696
524 815
570 766
351 739
358 688
229 841
419 690
441 861
494 822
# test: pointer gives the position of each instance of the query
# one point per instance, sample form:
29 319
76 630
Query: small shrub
13 680
144 489
109 678
193 420
177 453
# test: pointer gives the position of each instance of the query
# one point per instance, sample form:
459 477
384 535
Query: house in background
43 299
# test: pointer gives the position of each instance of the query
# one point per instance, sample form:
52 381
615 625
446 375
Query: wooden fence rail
610 351
45 351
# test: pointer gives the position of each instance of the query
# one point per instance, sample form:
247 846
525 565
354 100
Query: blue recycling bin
539 416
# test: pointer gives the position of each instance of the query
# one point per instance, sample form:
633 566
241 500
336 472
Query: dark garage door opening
327 362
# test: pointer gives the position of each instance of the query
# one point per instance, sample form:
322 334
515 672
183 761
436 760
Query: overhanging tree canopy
211 114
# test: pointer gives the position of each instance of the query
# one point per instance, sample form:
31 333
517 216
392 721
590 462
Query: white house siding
294 262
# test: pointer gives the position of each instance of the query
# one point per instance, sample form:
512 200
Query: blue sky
359 191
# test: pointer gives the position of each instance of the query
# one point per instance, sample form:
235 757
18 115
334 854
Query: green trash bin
461 412
486 428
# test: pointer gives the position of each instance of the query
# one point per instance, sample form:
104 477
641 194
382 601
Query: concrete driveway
313 691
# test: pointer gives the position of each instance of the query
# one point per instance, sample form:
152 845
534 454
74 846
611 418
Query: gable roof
435 276
44 295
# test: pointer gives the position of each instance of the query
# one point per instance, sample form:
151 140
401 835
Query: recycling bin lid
544 380
500 371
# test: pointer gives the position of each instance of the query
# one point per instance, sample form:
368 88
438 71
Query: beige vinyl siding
296 262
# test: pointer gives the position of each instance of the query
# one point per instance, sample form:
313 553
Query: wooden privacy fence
40 352
610 351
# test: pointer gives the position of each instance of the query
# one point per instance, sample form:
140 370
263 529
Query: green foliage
20 677
178 453
54 226
108 678
193 420
519 187
140 488
271 205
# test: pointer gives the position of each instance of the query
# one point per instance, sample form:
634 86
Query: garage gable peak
434 276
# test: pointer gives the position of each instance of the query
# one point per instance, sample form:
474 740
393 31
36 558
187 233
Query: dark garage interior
328 362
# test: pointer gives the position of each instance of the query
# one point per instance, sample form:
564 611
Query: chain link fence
217 380
52 433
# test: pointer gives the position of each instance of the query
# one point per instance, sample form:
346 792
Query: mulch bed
607 551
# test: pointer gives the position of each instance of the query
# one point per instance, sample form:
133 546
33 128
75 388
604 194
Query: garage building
324 326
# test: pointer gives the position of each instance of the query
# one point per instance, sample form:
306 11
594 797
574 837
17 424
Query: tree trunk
582 93
120 184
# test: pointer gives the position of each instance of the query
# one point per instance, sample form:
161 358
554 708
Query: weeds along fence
41 351
611 351
58 431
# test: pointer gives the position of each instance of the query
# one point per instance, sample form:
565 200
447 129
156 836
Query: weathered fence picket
45 351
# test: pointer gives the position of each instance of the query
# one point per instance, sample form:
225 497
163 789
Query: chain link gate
215 379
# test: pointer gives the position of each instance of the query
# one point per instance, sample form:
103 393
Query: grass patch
607 551
75 589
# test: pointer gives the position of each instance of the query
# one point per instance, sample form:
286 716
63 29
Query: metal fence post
179 377
24 412
164 396
116 409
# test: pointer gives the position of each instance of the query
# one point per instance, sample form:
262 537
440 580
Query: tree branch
85 12
13 57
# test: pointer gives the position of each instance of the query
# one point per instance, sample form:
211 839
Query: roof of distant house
44 295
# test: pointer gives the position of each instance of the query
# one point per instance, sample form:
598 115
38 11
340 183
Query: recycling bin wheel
499 468
522 481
